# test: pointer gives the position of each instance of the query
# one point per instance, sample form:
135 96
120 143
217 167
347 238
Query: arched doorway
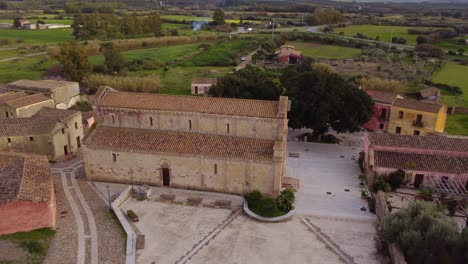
166 174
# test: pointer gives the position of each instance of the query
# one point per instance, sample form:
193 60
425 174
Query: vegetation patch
148 84
268 207
325 51
35 243
455 75
457 124
36 36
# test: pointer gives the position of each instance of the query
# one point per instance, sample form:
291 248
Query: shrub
33 247
263 206
426 193
5 42
253 197
396 178
148 84
380 185
286 200
82 106
361 160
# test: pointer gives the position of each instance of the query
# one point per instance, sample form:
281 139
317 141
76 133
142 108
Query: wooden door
418 180
166 177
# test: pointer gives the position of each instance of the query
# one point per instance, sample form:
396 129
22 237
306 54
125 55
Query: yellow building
409 117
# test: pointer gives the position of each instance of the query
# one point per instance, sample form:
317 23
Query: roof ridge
23 164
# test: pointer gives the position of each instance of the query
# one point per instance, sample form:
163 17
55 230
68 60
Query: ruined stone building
21 104
205 143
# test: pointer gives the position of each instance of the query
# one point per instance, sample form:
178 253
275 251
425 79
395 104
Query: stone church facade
203 143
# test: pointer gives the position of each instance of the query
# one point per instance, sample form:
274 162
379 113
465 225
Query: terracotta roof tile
423 162
194 104
418 142
156 141
11 96
382 97
27 100
24 177
417 105
204 81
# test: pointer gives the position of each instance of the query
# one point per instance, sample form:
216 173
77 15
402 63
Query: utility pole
272 29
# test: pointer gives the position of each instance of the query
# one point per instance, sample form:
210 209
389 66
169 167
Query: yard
453 74
385 33
316 50
457 124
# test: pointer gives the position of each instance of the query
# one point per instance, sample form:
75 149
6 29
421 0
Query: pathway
24 56
76 201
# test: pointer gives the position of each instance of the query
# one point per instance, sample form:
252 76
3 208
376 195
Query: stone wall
22 216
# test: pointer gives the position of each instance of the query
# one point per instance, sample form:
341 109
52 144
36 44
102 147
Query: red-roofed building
383 103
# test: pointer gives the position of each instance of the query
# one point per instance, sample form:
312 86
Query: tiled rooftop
422 162
27 100
418 142
418 105
155 141
24 177
195 104
41 85
382 97
204 81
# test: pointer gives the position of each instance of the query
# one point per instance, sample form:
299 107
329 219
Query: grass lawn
37 36
457 124
316 50
384 32
35 243
163 54
451 44
453 74
26 68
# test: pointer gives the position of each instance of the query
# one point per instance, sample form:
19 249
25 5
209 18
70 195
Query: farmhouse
431 160
409 117
431 93
289 55
205 143
65 94
21 104
27 199
202 85
51 132
383 103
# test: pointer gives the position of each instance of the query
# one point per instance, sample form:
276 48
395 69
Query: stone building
65 94
383 102
202 85
27 199
409 117
21 104
51 132
205 143
427 160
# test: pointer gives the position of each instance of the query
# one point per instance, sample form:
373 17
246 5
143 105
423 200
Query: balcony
417 123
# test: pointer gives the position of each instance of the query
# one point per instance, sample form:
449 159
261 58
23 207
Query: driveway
329 184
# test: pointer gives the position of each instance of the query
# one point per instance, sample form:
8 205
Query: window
7 114
227 128
113 119
9 140
381 126
383 114
216 169
114 157
196 89
31 139
190 124
151 121
416 133
398 130
63 130
76 125
400 114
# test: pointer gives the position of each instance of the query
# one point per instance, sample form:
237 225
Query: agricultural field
451 44
316 50
206 18
384 32
25 68
453 74
38 37
457 124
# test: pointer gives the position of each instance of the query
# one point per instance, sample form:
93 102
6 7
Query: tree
74 61
396 178
421 40
112 58
286 200
422 231
429 50
249 83
154 23
16 22
323 100
218 17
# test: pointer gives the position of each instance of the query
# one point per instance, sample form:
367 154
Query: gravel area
10 252
248 241
64 245
111 236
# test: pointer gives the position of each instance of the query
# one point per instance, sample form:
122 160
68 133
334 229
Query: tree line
108 26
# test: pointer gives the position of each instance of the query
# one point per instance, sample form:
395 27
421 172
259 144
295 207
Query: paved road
248 59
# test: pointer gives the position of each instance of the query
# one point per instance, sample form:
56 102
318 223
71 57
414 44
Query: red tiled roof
205 81
11 96
417 105
382 97
194 104
27 100
422 162
157 141
24 177
418 142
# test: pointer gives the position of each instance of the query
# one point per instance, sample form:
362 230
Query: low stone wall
267 219
381 210
131 235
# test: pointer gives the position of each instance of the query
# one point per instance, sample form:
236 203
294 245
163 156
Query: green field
45 36
26 68
457 124
453 74
163 54
325 51
451 44
195 18
384 32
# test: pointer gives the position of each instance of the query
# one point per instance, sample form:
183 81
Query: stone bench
195 200
223 203
168 197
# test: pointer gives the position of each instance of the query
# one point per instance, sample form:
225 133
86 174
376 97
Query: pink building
428 160
27 199
383 102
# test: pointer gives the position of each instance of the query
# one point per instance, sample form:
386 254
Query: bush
33 247
426 193
286 200
253 197
5 42
148 84
380 185
262 205
82 106
396 178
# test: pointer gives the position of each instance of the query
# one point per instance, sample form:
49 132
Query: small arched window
216 169
190 124
228 128
114 157
113 119
151 121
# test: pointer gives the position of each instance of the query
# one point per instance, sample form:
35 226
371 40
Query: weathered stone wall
64 94
22 216
195 172
26 111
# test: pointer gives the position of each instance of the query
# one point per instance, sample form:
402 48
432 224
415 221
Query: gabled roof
25 177
27 100
418 105
158 141
382 97
7 96
212 81
193 104
428 143
428 92
46 86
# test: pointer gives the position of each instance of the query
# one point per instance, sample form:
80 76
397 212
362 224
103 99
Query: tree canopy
218 17
249 83
112 58
74 61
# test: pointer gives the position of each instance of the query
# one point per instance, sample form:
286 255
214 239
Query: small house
431 93
202 85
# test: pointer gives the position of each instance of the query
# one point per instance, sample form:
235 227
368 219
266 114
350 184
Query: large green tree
74 61
218 17
321 99
154 23
423 232
112 58
249 83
